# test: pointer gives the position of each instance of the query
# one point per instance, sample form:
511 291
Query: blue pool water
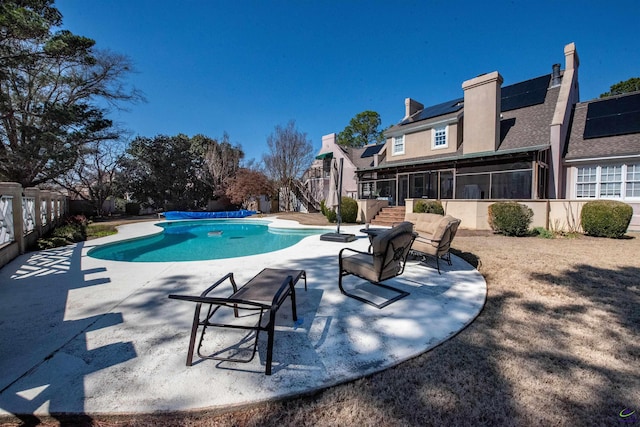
203 240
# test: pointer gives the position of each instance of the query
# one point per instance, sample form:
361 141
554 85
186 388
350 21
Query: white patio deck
83 335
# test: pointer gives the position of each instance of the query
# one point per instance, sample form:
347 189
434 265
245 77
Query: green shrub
349 209
51 242
431 206
329 213
543 233
510 218
72 232
132 208
606 218
75 230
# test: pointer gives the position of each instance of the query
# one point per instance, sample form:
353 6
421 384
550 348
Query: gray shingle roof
522 128
580 148
528 126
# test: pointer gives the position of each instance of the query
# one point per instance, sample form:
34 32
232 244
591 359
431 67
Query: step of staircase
389 216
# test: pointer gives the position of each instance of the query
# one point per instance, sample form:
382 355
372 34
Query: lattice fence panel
6 220
43 212
28 214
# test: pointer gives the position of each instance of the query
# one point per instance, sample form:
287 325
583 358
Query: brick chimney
411 106
482 113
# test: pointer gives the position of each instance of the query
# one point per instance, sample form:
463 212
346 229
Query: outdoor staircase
389 216
305 197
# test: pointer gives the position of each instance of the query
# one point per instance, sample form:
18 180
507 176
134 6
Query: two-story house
495 142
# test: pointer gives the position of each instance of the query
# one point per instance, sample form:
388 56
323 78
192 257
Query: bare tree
290 154
221 160
93 177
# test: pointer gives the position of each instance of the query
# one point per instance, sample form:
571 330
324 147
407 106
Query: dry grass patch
556 344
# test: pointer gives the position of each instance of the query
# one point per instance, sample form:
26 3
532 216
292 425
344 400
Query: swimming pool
201 240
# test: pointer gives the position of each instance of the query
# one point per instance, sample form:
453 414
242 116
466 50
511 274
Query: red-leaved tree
248 184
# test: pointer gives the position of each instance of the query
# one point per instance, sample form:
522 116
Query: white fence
26 214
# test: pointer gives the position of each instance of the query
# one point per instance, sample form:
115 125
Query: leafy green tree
290 154
50 86
631 85
363 129
178 172
162 172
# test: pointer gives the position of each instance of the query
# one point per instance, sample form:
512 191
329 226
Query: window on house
473 186
633 180
398 144
611 181
511 185
446 184
586 182
440 137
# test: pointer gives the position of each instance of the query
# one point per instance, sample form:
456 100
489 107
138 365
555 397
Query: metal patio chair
385 259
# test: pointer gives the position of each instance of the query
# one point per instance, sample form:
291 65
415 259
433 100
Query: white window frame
398 145
632 181
608 181
436 134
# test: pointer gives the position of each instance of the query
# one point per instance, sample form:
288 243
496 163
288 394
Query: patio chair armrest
427 240
216 284
352 250
281 295
231 302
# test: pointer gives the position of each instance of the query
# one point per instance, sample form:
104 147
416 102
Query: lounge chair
264 293
385 259
435 239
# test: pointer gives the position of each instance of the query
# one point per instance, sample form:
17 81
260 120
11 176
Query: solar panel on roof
436 110
524 94
370 151
611 117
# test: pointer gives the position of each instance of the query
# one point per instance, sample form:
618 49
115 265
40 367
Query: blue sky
243 67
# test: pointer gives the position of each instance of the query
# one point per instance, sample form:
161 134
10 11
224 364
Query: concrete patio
83 335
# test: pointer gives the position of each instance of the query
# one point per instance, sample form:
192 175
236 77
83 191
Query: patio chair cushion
383 262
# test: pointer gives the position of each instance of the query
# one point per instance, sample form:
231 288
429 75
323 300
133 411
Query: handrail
302 192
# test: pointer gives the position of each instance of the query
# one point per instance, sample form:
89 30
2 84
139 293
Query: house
494 142
532 141
316 178
602 159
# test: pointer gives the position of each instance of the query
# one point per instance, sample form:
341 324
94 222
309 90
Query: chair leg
194 332
401 293
270 332
293 301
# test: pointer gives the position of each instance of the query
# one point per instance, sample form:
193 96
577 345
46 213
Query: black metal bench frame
248 297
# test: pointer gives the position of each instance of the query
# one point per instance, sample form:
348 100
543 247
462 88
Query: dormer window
440 137
398 145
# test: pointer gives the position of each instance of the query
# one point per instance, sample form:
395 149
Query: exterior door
403 189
